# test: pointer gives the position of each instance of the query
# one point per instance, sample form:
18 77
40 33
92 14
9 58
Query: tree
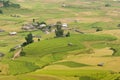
118 25
29 38
1 12
38 39
68 34
59 31
6 3
33 20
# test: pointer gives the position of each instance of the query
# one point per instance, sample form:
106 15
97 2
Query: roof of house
12 33
65 25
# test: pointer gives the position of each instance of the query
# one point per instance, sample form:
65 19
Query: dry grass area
52 1
3 69
110 63
20 0
43 77
111 32
81 19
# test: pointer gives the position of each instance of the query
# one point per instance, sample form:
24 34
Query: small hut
2 30
12 33
41 26
100 64
28 27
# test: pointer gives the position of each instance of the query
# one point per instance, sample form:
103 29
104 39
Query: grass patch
75 73
19 67
71 64
86 78
47 51
100 45
81 74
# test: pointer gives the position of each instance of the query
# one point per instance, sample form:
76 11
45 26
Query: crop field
92 52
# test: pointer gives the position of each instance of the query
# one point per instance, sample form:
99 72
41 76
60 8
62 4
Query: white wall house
12 33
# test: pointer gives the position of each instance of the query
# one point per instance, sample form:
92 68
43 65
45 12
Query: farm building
41 26
63 5
17 47
2 30
65 25
1 4
12 33
28 27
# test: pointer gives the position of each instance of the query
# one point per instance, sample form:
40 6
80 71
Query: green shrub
71 64
12 49
68 34
22 53
87 78
118 25
15 5
107 5
99 29
1 12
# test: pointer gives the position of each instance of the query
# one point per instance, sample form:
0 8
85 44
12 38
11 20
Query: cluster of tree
29 39
7 3
59 32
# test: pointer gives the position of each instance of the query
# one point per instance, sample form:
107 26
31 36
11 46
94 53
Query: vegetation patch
86 78
96 74
116 49
100 45
19 67
71 64
59 45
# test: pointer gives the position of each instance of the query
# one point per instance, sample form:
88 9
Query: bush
118 78
107 5
114 51
42 22
118 25
1 12
7 3
68 34
86 78
22 53
24 44
99 29
15 5
11 50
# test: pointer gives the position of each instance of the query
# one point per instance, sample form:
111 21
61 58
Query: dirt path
17 54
